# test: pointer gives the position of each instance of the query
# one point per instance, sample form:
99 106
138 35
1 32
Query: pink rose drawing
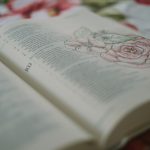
130 50
134 53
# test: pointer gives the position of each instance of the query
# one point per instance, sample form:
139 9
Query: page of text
28 122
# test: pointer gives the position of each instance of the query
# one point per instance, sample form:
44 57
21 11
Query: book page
88 67
29 122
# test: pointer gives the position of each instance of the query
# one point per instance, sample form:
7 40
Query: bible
76 82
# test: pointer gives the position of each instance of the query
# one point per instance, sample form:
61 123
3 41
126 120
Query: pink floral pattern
134 53
130 50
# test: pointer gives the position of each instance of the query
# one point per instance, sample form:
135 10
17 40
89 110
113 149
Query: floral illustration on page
131 50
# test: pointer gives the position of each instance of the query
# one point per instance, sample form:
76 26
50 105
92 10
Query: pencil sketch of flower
131 50
135 53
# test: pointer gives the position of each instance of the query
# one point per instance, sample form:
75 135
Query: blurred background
134 14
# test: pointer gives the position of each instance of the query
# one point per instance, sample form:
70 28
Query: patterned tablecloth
133 13
141 142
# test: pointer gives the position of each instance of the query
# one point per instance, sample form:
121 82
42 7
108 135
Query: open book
78 82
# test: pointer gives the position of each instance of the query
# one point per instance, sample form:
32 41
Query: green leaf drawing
82 32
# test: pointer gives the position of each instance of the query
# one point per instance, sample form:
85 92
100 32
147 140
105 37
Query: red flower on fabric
145 2
141 142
